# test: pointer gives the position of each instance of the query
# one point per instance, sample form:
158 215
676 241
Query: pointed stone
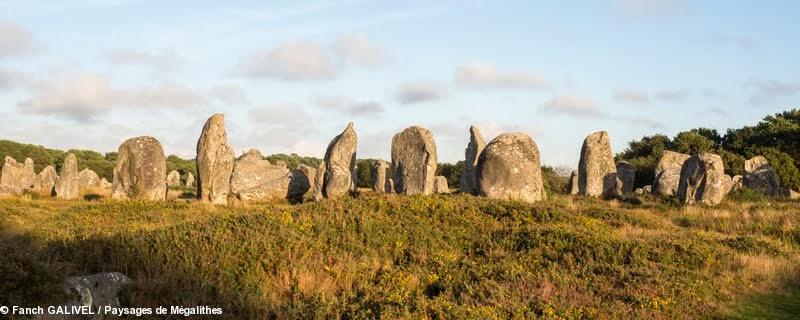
597 173
414 159
340 160
45 181
471 154
141 170
214 162
67 186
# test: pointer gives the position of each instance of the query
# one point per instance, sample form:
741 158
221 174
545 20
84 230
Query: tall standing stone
626 173
214 162
668 173
597 173
88 179
173 179
17 175
379 172
440 185
340 161
45 181
189 179
573 183
254 178
471 153
414 164
509 168
760 176
703 180
141 170
66 186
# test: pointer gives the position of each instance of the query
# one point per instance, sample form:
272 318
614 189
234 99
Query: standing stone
380 176
45 181
141 170
104 184
88 179
648 189
737 182
626 173
340 161
310 174
254 178
668 173
638 191
67 186
440 185
318 181
214 162
469 175
573 183
173 179
189 180
597 173
703 180
509 168
301 181
760 176
18 175
414 164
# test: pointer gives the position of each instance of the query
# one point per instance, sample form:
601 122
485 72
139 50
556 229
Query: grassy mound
452 256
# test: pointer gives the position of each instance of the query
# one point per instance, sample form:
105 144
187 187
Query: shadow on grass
784 305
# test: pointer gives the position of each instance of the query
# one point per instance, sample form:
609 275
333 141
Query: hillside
445 256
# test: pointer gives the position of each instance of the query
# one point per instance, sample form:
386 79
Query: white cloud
358 49
764 91
420 91
650 7
230 94
577 106
680 95
632 96
284 125
349 106
15 41
483 75
84 96
290 62
157 59
10 79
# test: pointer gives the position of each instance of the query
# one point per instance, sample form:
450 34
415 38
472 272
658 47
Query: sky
290 75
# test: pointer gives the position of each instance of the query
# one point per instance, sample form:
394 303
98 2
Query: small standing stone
473 151
189 180
703 180
573 183
67 183
173 179
214 162
318 181
626 173
141 170
668 173
414 164
380 176
88 179
45 181
441 185
597 173
254 178
17 175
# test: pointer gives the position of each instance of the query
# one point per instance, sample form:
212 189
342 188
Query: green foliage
692 142
553 182
363 173
293 160
452 172
783 164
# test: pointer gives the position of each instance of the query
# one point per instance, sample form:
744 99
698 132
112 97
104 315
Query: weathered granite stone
668 173
509 168
67 186
440 185
18 175
88 179
703 180
141 170
104 184
189 180
214 162
473 151
309 174
597 173
648 189
95 291
573 183
379 171
318 181
414 164
254 178
638 191
340 159
626 173
737 182
45 181
760 176
173 179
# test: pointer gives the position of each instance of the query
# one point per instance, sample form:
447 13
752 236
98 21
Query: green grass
450 256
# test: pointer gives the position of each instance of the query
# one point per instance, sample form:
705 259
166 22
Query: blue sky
289 75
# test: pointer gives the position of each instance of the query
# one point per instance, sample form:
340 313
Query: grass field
448 256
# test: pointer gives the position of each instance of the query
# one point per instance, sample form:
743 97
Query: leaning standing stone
441 185
379 172
626 173
703 180
141 170
414 164
340 159
668 173
45 181
214 162
18 175
471 153
509 168
597 173
67 183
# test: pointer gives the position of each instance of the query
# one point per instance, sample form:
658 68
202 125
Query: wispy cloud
420 91
764 90
649 7
358 49
643 97
229 94
727 40
15 40
291 62
483 75
632 96
572 105
10 79
349 107
156 59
